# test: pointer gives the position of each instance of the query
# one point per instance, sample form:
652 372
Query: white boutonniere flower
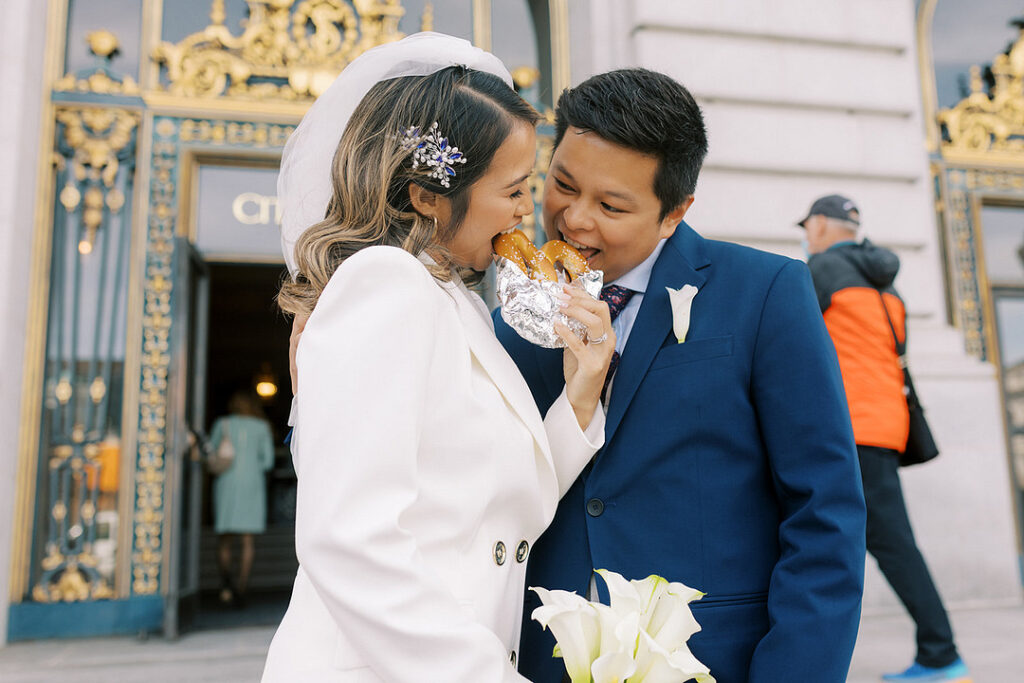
681 300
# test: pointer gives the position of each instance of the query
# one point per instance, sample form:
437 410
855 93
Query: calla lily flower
663 605
655 664
613 667
639 638
681 300
618 631
626 595
575 625
620 635
671 621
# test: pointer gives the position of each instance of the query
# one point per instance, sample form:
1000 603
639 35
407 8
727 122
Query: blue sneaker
957 671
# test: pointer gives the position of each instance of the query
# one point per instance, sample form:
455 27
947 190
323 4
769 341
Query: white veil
304 182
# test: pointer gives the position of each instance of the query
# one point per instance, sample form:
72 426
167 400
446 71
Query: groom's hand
298 324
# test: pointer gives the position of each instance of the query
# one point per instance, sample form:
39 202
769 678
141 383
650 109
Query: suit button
595 506
512 657
521 551
499 553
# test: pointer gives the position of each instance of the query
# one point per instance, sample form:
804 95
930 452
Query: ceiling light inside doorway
266 389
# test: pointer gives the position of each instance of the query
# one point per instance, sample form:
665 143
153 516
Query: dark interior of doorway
248 342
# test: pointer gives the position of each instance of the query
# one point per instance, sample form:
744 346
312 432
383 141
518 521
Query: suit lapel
496 362
679 264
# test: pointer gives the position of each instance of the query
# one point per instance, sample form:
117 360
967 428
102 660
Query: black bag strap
901 347
901 354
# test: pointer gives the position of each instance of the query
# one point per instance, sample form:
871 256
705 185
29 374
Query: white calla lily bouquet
639 638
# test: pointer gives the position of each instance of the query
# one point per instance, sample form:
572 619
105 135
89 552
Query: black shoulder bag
920 443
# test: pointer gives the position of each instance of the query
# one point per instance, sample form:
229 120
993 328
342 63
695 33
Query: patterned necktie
616 297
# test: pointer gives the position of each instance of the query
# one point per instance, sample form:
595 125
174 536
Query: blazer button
595 506
499 553
512 657
521 551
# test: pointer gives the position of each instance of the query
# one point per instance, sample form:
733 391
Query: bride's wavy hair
370 205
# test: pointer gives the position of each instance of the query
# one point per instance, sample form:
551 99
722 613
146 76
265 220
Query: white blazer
425 475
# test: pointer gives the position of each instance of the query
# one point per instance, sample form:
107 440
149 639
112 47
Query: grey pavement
991 640
223 656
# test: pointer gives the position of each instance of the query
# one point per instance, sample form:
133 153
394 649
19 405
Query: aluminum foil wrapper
531 307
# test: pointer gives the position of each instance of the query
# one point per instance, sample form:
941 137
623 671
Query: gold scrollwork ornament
96 136
302 45
103 44
71 586
990 122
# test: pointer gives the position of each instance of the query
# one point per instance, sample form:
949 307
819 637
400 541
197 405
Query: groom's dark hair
645 111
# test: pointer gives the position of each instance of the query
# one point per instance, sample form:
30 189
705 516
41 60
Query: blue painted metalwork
32 621
173 136
95 149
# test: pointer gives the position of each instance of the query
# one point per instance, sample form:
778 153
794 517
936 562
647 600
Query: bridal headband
304 182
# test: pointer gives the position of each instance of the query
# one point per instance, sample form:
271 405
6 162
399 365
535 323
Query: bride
425 471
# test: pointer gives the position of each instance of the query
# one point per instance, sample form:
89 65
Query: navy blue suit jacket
729 465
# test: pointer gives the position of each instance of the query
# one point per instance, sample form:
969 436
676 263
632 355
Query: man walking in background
866 319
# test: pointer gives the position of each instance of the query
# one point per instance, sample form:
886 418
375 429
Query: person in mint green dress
239 493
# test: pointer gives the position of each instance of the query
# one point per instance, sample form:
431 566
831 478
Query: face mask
806 246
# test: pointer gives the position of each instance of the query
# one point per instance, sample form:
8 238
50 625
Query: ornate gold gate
977 166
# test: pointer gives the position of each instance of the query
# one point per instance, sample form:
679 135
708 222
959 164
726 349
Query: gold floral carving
72 586
990 123
525 77
97 82
156 360
103 44
95 137
999 181
232 132
427 18
290 49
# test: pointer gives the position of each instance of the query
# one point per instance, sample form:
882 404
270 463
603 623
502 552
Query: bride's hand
585 363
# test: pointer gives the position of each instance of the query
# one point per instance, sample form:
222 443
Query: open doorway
247 345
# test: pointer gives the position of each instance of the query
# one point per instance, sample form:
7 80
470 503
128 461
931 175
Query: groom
729 461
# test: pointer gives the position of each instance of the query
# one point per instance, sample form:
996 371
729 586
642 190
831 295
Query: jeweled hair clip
431 149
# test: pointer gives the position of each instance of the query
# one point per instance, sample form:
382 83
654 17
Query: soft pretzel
505 246
572 261
517 247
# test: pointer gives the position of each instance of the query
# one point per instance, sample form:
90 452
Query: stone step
274 563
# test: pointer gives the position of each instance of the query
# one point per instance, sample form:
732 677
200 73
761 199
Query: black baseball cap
834 206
